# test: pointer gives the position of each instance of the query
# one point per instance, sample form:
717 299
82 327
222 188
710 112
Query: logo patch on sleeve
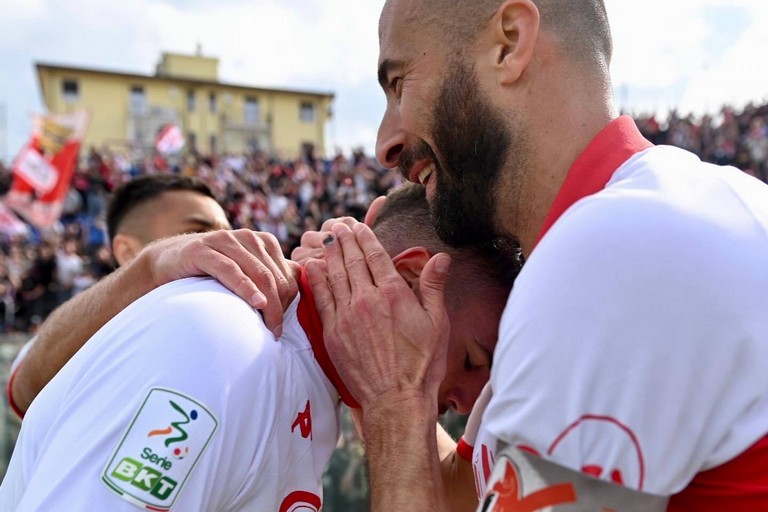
159 449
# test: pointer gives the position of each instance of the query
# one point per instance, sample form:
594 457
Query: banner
169 140
44 167
10 224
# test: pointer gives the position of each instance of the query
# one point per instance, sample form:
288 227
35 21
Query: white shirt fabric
197 340
634 346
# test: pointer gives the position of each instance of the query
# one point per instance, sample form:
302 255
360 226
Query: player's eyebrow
385 67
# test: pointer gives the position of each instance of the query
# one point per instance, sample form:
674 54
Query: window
191 101
138 99
192 141
212 102
70 91
307 112
212 142
252 114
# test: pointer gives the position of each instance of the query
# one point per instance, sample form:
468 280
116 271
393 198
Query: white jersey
634 346
184 401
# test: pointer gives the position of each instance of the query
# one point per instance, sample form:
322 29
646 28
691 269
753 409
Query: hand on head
250 263
387 343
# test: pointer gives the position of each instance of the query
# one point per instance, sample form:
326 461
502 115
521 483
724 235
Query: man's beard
473 141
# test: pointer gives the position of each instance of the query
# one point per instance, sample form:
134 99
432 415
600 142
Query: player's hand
387 344
250 263
312 241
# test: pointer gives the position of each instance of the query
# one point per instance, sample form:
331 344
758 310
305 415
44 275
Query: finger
378 262
318 282
373 211
277 285
432 285
231 275
337 277
354 260
311 247
303 254
348 221
247 250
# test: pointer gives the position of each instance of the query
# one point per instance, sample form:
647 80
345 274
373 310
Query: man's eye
396 84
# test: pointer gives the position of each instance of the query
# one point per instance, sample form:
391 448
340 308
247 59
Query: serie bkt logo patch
157 453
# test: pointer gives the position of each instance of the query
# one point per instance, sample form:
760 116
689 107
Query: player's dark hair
127 197
405 221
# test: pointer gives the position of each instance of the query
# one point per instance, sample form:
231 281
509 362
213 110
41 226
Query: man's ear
125 248
515 29
410 263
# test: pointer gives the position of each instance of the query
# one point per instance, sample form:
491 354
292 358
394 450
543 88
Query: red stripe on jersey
592 170
313 327
11 403
739 485
464 449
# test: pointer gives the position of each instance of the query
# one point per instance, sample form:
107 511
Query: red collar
309 320
614 145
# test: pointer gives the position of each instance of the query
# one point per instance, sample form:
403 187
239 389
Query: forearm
403 457
73 323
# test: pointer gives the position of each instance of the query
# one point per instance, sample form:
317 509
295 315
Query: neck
564 124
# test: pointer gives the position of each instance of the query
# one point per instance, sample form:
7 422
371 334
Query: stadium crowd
40 269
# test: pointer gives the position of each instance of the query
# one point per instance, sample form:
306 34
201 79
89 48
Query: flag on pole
43 169
169 140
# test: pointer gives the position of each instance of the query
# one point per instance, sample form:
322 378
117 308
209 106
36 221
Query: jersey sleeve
12 375
170 406
621 356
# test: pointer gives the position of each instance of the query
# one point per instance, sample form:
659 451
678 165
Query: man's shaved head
581 25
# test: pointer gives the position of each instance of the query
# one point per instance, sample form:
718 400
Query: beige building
129 109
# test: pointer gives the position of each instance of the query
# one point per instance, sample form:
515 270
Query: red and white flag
43 169
169 140
10 224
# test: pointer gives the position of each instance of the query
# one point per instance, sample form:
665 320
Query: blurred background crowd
39 269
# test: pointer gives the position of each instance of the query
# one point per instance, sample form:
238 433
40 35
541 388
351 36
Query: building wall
291 131
189 66
105 98
116 122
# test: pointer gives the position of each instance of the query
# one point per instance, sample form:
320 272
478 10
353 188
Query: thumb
373 210
432 283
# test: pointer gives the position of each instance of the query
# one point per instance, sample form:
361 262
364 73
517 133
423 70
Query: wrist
401 411
142 271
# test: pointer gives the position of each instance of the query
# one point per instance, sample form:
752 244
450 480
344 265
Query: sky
692 54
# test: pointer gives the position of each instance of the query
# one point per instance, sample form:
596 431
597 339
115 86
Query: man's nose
391 141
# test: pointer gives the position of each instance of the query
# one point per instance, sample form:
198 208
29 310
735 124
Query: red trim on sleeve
592 170
313 327
740 485
464 449
11 403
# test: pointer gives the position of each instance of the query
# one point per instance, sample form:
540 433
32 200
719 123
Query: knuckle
336 279
391 288
362 306
377 257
